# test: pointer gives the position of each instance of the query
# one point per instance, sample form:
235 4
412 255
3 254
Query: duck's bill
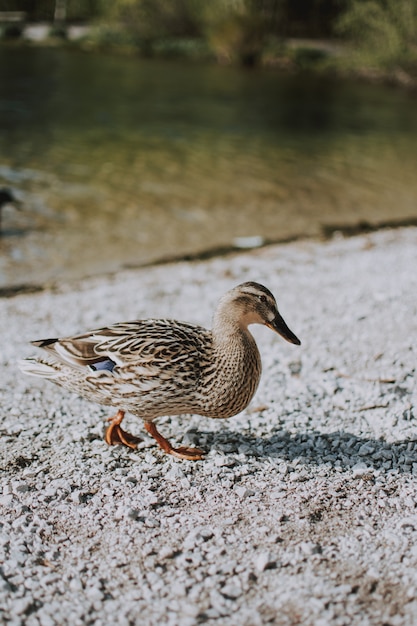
282 329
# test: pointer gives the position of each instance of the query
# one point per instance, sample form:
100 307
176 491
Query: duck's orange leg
116 435
191 454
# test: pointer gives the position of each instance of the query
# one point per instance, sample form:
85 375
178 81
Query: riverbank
326 57
304 509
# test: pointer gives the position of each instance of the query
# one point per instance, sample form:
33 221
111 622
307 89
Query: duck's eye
262 298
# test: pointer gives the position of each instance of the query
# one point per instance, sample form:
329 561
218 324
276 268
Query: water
122 161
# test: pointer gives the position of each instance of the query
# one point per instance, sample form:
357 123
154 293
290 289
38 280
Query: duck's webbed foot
184 452
115 434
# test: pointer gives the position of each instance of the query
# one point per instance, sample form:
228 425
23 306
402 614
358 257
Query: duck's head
252 303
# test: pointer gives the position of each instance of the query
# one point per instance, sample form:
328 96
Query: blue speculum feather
107 364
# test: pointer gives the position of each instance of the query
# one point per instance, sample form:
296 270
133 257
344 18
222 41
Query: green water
122 161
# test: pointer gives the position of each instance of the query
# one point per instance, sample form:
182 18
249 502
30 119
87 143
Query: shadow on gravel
339 449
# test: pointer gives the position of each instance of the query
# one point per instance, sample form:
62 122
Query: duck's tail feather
43 343
39 367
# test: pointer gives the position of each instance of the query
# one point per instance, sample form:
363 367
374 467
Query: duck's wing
75 351
146 344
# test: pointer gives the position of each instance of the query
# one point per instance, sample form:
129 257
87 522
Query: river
121 162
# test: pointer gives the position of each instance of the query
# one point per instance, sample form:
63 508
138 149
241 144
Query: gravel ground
304 511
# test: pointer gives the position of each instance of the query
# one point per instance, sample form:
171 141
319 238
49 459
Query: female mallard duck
161 367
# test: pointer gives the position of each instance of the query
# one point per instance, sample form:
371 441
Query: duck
163 367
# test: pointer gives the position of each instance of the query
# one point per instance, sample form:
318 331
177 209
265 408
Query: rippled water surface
121 161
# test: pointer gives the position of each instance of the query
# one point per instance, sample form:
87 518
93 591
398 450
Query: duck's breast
232 380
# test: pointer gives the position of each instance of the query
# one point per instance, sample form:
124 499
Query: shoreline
314 56
328 232
303 510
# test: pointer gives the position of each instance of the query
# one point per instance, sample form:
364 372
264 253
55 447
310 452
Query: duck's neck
232 336
226 328
237 367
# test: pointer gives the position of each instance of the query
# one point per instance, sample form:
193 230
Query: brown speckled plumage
161 367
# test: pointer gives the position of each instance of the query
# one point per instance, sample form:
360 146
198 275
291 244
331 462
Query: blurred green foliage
234 30
44 10
146 22
384 32
379 33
